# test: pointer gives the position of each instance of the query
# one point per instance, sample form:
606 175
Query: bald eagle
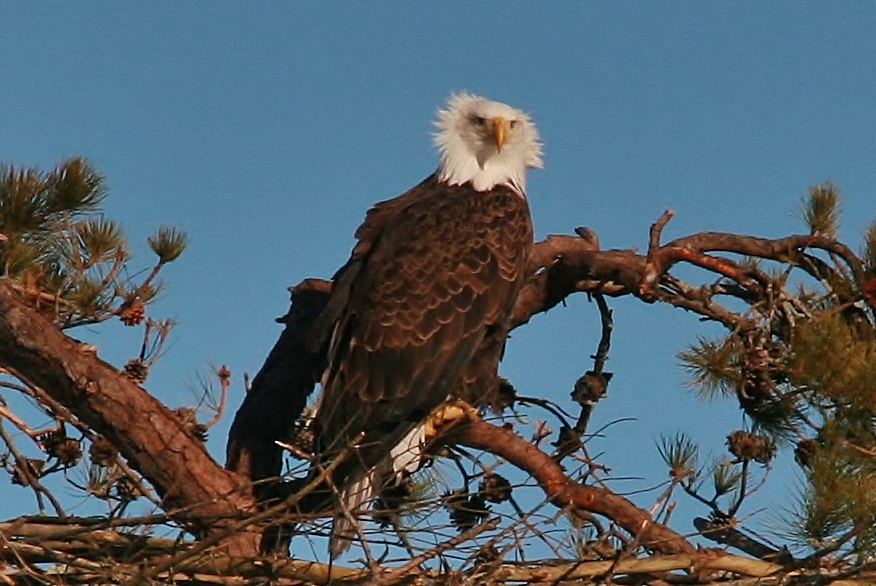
433 277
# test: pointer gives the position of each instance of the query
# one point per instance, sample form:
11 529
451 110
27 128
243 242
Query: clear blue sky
266 130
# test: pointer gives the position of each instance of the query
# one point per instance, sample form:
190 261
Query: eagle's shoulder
385 212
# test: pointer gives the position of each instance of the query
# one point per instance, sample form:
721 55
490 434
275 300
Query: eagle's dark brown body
435 272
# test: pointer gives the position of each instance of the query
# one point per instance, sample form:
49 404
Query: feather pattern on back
434 274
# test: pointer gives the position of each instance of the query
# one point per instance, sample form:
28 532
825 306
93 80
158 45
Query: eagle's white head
485 142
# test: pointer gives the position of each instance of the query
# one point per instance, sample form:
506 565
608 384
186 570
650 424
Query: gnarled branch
144 431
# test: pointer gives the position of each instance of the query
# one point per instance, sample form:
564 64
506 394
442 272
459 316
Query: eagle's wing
435 270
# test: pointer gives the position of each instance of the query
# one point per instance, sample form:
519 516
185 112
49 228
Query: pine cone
67 451
591 387
137 370
126 490
466 510
392 499
748 446
487 554
102 452
223 373
568 441
200 432
132 313
495 488
304 439
506 395
804 452
29 469
189 419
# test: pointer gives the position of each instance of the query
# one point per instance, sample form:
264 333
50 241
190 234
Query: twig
38 553
657 230
593 385
605 315
26 475
61 413
742 492
269 513
19 423
395 576
224 382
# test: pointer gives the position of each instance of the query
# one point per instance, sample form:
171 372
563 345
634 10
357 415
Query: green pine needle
681 454
831 359
713 366
74 187
168 243
841 496
751 263
54 241
100 240
19 255
725 477
86 295
33 202
21 201
821 210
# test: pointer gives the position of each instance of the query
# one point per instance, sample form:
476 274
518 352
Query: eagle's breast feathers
432 280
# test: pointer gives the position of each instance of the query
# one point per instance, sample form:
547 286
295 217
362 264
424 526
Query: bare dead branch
395 576
15 420
224 382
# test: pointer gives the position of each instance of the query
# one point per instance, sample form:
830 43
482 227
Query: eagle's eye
513 123
478 120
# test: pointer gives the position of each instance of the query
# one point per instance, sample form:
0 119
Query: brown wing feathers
435 269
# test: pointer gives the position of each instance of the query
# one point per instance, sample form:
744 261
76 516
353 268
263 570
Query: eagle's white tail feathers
354 499
405 457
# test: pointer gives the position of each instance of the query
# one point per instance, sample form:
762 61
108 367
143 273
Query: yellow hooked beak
500 131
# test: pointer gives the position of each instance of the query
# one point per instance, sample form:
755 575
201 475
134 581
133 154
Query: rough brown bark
280 389
202 494
146 433
565 492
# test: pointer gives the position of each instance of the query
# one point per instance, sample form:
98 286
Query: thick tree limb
279 390
695 248
144 431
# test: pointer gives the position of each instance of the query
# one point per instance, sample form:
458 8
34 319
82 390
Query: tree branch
154 441
560 266
562 490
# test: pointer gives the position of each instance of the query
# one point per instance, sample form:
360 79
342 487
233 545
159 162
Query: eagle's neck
484 170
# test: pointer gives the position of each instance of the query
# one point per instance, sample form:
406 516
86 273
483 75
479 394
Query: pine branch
154 442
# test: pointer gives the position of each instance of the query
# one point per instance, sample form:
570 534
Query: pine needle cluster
803 369
56 244
821 210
